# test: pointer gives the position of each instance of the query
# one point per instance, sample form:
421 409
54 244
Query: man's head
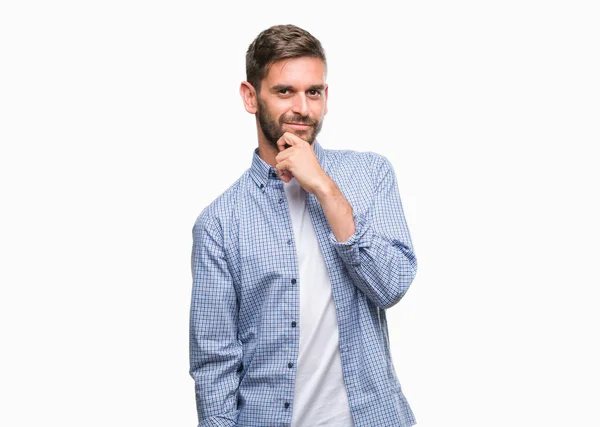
286 70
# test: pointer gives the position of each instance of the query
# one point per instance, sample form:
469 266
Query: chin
306 135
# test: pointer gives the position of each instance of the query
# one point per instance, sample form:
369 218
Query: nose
300 105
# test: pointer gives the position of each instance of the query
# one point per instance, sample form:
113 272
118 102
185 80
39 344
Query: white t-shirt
320 397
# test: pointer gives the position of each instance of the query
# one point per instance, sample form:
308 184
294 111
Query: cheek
279 111
275 108
320 109
280 106
320 112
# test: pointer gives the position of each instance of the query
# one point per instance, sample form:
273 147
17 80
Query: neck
266 152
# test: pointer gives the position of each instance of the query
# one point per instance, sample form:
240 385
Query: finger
288 140
284 154
283 170
293 139
286 176
281 167
282 143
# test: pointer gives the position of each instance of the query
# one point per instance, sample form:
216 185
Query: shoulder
215 217
358 163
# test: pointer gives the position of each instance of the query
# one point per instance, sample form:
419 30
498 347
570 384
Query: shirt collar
261 171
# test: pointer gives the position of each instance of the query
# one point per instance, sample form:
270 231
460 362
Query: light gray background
121 120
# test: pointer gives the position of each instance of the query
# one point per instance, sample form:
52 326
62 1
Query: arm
379 254
215 352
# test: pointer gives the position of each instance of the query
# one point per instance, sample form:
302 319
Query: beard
272 128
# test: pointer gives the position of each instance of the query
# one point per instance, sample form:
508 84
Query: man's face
293 98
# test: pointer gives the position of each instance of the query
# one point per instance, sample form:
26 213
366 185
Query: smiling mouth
298 125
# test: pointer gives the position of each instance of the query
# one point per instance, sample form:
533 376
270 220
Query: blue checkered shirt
244 320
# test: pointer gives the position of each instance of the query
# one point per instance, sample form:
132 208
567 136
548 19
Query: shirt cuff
362 237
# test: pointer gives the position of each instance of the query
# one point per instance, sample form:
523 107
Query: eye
283 91
314 92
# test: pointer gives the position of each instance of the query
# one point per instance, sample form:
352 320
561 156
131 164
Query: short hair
276 43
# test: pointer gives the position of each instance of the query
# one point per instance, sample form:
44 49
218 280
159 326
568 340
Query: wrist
326 189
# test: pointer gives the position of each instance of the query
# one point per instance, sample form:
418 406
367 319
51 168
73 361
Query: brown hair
276 43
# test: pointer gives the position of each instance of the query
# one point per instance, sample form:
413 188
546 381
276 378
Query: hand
300 161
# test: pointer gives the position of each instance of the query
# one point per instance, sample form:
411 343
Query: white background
121 120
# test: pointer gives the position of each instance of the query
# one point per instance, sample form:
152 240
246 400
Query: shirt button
293 324
293 281
287 405
289 242
273 174
280 200
290 365
262 185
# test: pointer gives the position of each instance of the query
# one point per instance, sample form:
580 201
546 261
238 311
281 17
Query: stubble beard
272 128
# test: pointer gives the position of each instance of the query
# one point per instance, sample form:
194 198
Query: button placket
281 208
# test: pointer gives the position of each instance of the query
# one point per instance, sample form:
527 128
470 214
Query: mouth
298 126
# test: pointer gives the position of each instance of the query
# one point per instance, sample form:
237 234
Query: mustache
298 119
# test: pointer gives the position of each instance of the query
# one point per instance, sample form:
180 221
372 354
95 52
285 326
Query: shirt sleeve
215 351
379 255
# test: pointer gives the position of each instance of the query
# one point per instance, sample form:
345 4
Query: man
294 265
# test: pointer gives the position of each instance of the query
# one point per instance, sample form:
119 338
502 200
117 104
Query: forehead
296 72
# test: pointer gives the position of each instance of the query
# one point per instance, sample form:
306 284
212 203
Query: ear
326 97
248 94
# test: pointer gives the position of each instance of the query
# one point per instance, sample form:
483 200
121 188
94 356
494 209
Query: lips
298 125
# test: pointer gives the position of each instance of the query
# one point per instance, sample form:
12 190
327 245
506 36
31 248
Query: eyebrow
277 88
